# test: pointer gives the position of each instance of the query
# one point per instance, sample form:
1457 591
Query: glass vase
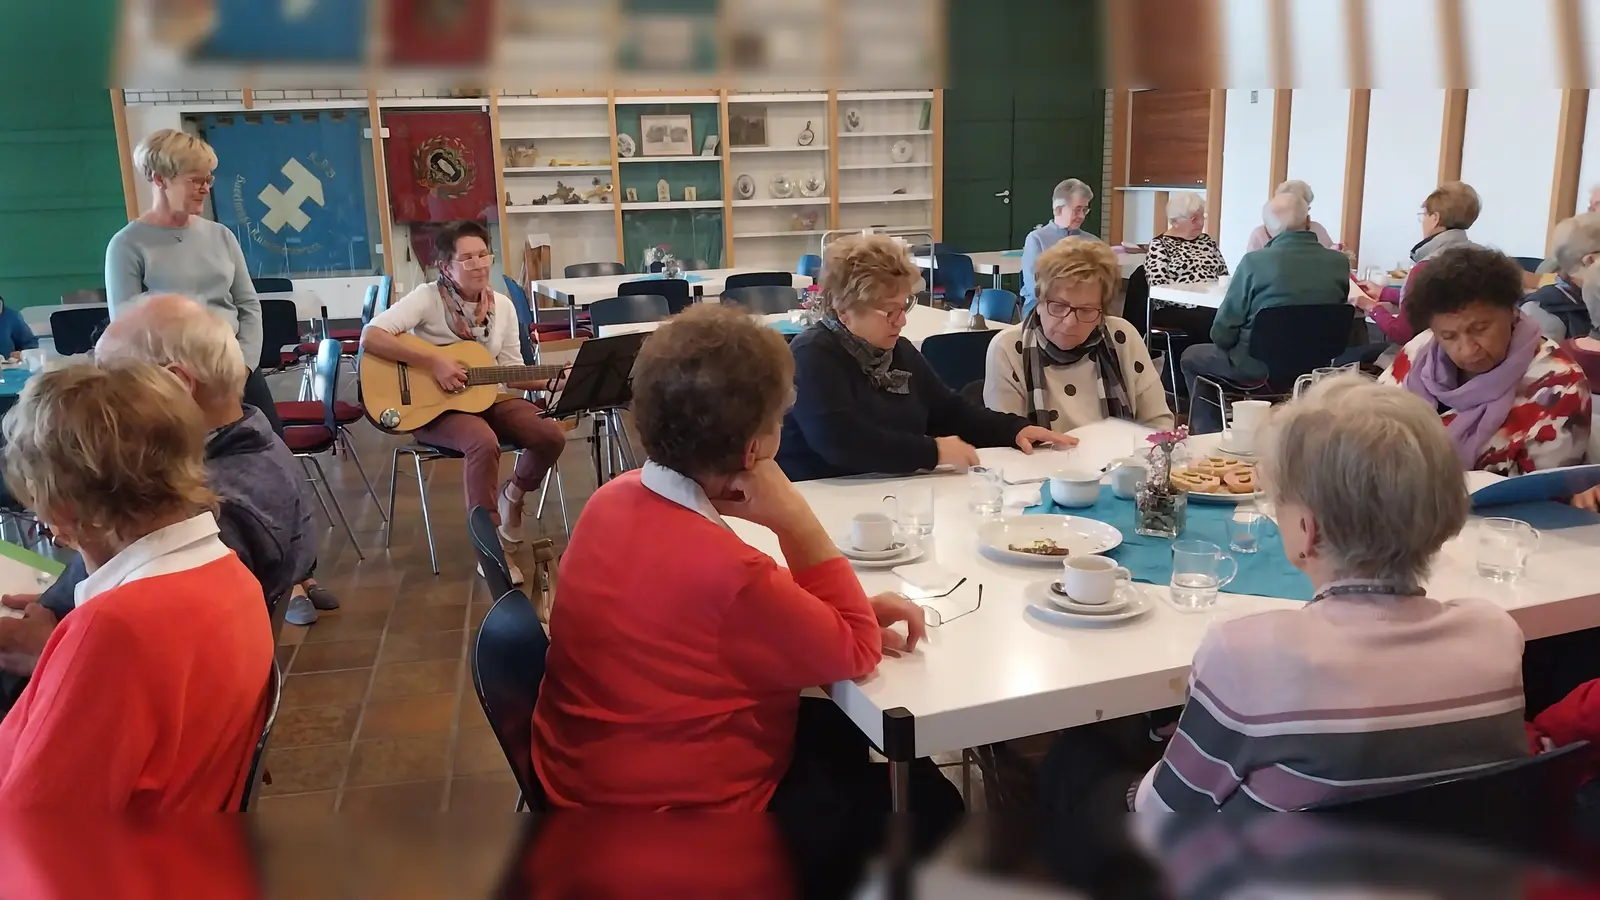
672 269
1160 511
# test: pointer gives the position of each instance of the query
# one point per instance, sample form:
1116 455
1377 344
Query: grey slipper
301 611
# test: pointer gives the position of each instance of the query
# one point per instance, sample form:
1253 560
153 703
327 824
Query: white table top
584 291
1203 293
999 674
1009 262
922 322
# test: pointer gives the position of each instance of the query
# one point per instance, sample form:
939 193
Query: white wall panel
1509 156
1404 44
1319 128
1246 169
1402 169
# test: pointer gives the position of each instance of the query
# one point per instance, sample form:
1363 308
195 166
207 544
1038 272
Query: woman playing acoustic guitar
460 306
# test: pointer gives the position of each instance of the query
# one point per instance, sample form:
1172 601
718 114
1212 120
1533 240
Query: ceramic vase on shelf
1161 509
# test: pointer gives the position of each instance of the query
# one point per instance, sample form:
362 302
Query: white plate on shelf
1118 602
1077 535
1041 606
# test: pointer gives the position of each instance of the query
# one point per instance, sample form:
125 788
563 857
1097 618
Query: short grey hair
1184 204
1066 191
1298 188
1285 212
1576 238
173 330
1377 471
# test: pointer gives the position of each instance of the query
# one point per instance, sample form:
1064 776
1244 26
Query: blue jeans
1205 417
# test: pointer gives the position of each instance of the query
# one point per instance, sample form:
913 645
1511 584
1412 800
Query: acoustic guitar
401 398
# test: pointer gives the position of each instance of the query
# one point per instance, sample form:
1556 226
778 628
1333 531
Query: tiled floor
378 710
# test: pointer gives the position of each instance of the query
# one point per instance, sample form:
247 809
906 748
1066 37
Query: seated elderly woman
1069 206
1068 363
1559 308
1185 254
674 681
1373 683
1298 188
865 399
132 708
1512 400
1446 215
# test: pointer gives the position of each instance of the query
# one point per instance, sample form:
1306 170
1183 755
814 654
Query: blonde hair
173 330
1074 261
864 269
108 448
170 153
1376 469
1456 204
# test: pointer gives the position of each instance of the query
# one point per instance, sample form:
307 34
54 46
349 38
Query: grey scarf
1038 353
1428 248
874 361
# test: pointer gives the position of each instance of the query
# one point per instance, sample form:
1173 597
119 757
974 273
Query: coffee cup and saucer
1091 585
873 542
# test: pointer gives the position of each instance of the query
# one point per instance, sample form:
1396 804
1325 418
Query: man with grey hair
1069 206
1559 307
1294 269
1260 236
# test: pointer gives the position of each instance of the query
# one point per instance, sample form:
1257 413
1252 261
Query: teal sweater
1294 269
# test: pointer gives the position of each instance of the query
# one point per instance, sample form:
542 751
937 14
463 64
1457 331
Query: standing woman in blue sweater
175 249
866 402
15 335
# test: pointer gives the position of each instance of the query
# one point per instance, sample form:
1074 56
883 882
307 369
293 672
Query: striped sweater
1347 695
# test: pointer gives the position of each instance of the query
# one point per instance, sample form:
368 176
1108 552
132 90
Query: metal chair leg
544 488
326 513
561 494
394 475
350 448
337 508
427 524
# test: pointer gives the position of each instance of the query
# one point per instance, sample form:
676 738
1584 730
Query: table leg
572 317
900 747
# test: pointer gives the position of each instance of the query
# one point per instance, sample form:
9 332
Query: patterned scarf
466 325
874 361
1038 354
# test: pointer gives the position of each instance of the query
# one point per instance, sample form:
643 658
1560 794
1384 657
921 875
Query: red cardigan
1573 718
149 697
677 657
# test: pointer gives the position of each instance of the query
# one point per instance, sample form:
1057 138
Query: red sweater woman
678 652
149 697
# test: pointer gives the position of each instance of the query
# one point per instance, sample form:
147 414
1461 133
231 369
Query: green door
977 128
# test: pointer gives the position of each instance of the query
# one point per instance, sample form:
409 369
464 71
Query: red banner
441 166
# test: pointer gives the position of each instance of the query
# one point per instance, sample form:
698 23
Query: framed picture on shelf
748 129
710 148
666 135
630 195
690 193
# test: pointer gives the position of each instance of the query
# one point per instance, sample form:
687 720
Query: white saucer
1043 606
907 553
1223 447
845 547
1116 604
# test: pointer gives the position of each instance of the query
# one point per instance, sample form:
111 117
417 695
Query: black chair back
694 265
73 330
958 357
491 556
1293 340
252 777
508 661
273 285
757 279
1136 301
628 309
280 328
768 298
592 269
676 290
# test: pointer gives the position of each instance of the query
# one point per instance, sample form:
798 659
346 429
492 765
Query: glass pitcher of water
1315 375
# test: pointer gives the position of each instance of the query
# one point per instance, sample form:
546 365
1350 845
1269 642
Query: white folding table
577 292
922 322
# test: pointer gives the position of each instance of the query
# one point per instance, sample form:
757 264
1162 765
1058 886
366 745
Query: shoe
509 533
322 598
301 611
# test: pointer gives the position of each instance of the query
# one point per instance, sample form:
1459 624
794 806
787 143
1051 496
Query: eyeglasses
933 618
905 306
1085 314
1078 210
474 257
200 180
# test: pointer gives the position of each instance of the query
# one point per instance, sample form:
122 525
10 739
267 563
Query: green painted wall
60 181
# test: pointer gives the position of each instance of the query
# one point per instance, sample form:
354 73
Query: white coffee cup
35 358
1075 488
871 532
1092 580
1247 418
960 318
1126 476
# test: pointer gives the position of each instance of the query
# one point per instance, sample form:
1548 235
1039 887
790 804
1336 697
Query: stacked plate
1047 601
898 554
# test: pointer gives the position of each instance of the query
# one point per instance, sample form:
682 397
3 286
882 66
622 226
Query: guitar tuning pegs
389 418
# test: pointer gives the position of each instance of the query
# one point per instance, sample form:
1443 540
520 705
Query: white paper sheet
1098 444
20 578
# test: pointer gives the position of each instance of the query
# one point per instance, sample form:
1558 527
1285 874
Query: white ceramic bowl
1075 488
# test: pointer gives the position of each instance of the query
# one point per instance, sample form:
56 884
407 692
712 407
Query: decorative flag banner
291 186
440 32
305 31
441 166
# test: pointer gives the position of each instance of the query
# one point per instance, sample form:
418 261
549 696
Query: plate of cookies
1217 479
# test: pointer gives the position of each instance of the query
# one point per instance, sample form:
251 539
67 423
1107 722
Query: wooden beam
1219 120
380 179
936 122
1454 134
1453 45
1569 160
498 152
830 131
616 172
130 185
1282 100
727 180
248 97
1358 57
1158 205
1567 19
1355 169
1280 43
1120 123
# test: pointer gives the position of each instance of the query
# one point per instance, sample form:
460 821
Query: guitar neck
510 374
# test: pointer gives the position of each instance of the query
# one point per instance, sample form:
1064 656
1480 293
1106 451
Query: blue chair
272 285
508 665
958 357
1529 263
627 309
810 266
996 305
519 299
952 278
385 293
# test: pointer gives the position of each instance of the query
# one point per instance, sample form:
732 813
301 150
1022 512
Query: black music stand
600 384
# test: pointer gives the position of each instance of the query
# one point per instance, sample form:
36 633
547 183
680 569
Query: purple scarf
1482 403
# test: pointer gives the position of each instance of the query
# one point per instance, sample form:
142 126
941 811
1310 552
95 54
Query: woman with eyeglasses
460 306
866 402
1068 363
174 249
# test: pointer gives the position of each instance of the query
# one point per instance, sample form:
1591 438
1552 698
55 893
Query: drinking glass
1378 275
1245 527
1198 574
985 492
1504 546
912 509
